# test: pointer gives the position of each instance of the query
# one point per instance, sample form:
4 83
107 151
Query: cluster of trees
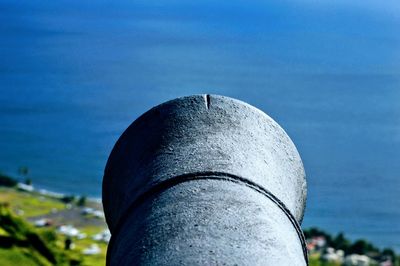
6 181
360 246
81 201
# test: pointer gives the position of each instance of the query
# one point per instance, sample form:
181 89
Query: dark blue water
75 74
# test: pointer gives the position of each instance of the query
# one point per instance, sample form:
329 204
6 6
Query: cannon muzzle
205 180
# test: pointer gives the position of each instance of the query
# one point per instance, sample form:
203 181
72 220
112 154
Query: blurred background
75 74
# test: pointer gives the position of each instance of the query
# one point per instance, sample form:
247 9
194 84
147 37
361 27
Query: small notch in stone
207 100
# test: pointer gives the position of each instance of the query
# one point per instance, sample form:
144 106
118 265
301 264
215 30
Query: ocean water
75 74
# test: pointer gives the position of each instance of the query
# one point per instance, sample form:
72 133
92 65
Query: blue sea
75 74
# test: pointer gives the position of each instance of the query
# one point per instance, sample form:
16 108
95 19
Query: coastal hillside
42 228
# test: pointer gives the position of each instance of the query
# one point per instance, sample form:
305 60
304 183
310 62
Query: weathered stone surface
195 181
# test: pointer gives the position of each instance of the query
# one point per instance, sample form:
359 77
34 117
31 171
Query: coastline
55 192
52 193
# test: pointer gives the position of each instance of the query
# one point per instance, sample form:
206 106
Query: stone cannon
205 180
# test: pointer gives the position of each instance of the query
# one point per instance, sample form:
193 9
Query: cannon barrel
205 180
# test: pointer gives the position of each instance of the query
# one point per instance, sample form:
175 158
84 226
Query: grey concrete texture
207 222
246 162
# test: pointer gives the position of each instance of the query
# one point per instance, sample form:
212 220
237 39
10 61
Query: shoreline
54 192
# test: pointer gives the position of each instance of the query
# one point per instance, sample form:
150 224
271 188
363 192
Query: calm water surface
75 74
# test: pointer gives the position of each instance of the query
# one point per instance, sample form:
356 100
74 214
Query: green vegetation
361 246
23 244
340 242
26 245
7 181
81 201
30 204
68 199
315 260
19 256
